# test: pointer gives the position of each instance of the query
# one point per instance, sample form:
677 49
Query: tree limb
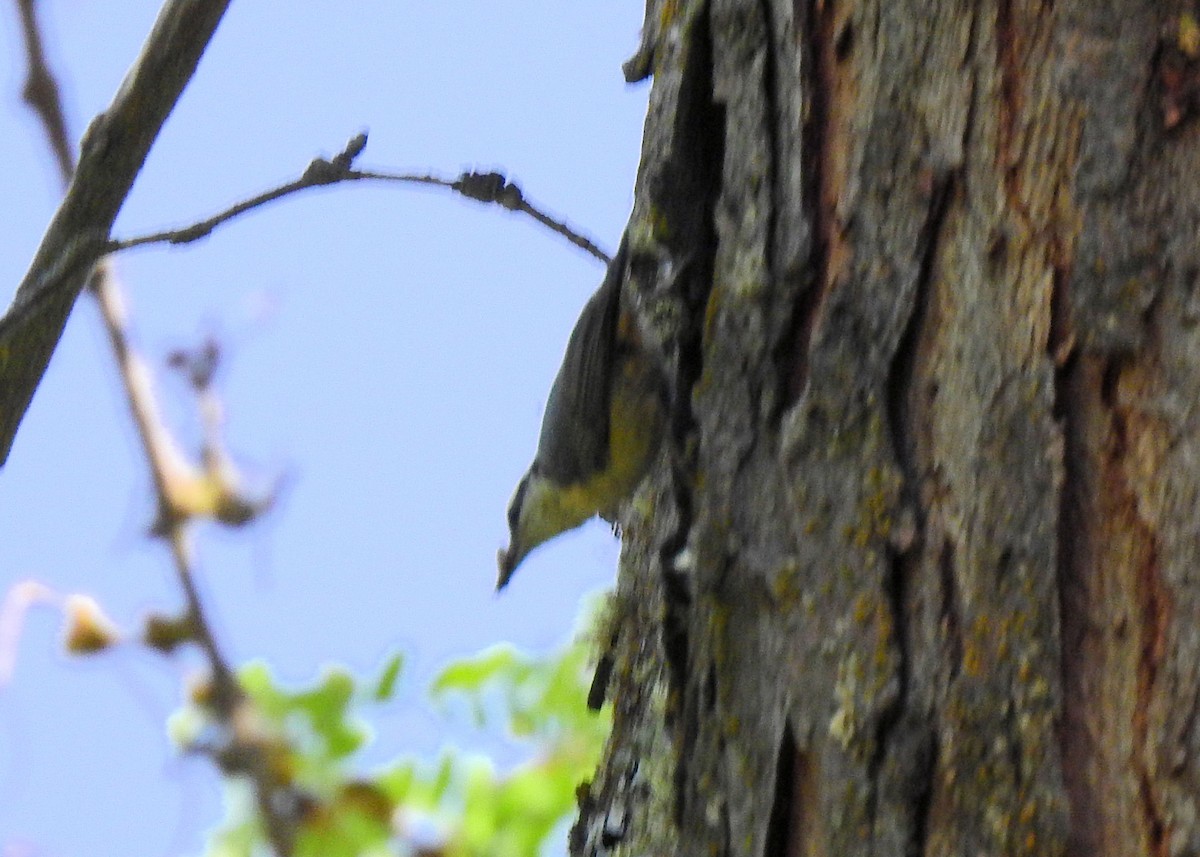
490 187
175 478
113 151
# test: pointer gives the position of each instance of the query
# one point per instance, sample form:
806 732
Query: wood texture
919 576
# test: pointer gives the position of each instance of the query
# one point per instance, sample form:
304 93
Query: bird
602 428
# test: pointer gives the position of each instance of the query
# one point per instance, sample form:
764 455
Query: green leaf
397 782
441 781
470 674
385 685
255 679
355 822
327 708
477 810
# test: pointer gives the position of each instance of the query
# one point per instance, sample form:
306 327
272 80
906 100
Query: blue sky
387 350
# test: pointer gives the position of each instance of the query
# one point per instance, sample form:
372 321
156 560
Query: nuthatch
603 426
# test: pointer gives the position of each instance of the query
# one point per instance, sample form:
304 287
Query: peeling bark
919 577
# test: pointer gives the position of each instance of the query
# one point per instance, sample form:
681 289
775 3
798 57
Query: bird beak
507 560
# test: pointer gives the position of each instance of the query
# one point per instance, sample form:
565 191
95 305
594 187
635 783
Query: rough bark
919 575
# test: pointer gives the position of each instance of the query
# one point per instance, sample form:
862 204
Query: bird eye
514 507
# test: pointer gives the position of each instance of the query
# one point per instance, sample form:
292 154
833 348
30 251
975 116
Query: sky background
387 351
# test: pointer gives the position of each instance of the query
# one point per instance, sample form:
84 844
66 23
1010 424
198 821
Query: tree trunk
919 576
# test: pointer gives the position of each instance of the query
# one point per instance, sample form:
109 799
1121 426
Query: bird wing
574 439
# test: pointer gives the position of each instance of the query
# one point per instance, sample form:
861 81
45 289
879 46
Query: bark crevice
815 20
780 833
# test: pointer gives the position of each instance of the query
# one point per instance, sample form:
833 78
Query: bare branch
494 187
113 150
177 481
481 187
319 172
41 91
240 754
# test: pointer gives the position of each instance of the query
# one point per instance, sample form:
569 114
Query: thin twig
273 799
495 188
482 187
319 172
226 693
41 91
112 153
113 149
168 466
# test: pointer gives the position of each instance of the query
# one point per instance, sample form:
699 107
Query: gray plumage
579 398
